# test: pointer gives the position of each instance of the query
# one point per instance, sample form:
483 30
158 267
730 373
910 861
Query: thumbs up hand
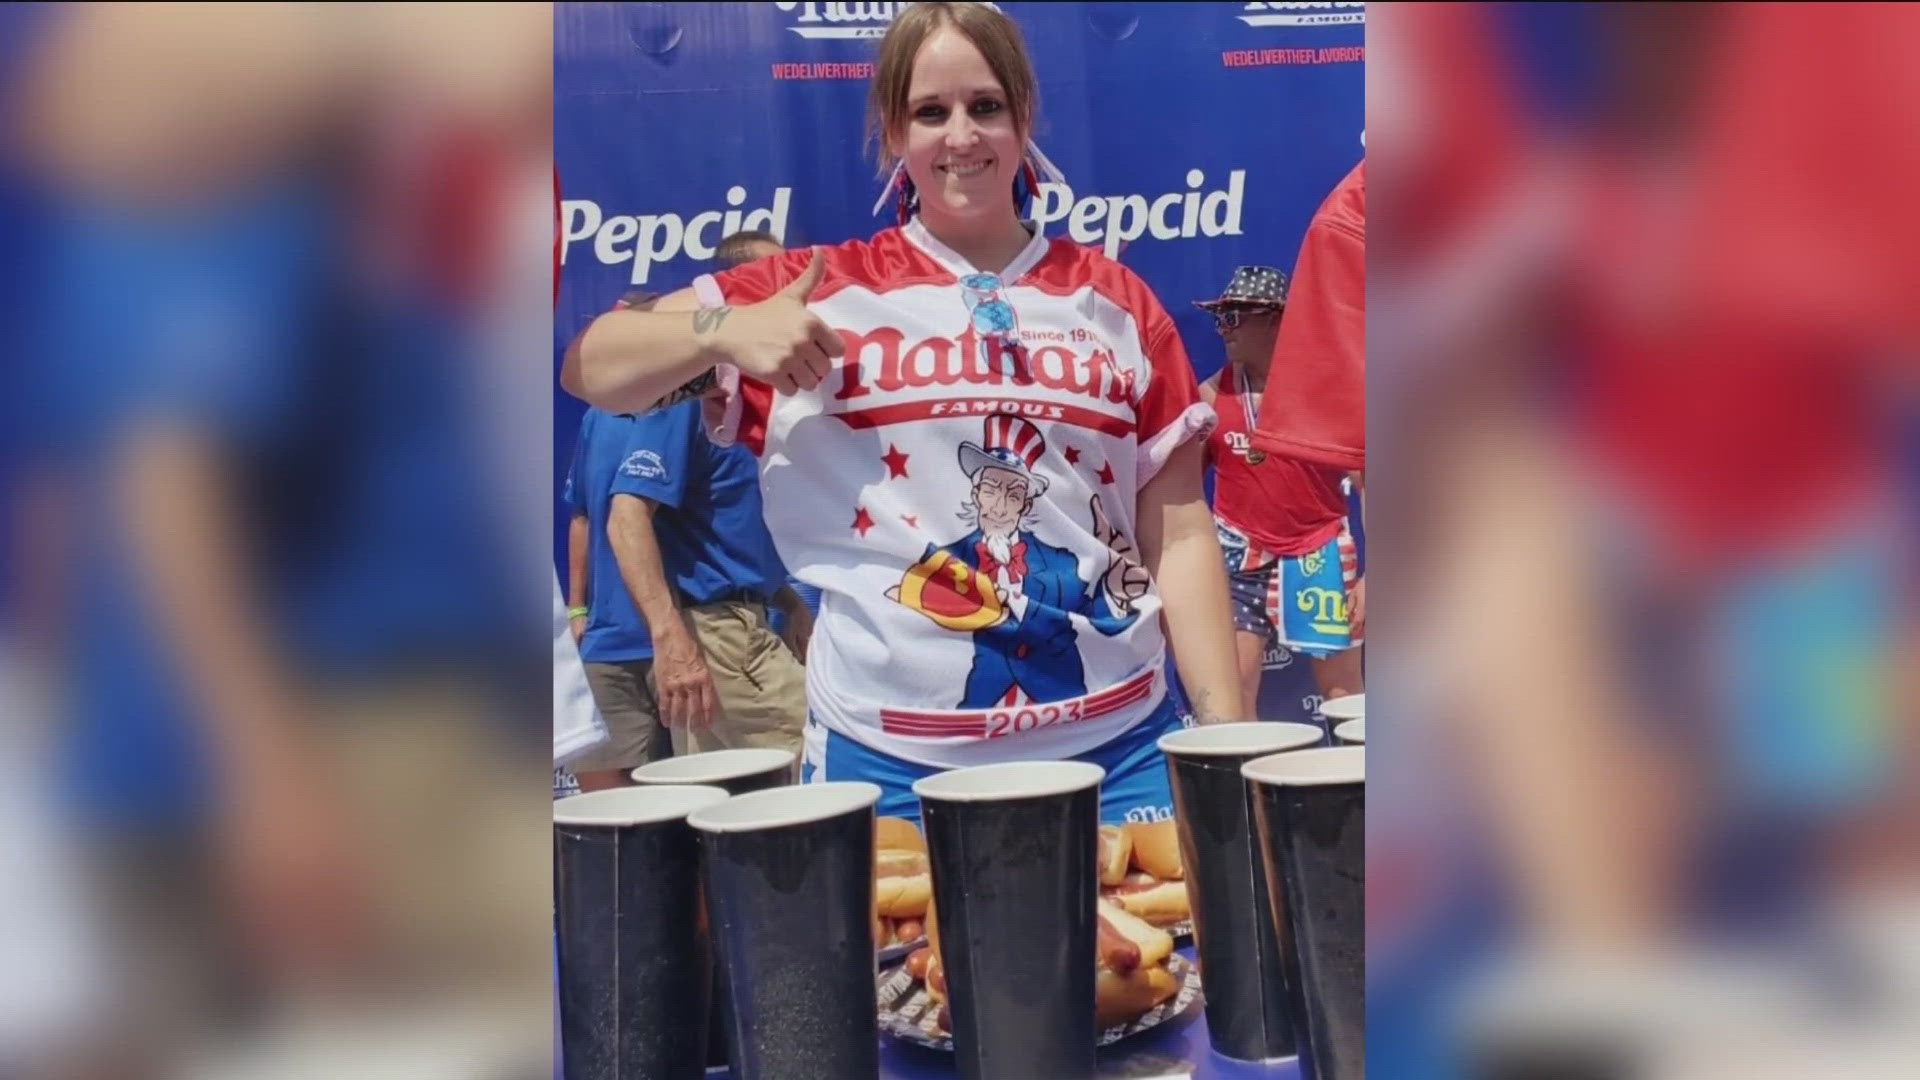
779 341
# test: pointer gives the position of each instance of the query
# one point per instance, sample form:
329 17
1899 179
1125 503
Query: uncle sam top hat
1011 443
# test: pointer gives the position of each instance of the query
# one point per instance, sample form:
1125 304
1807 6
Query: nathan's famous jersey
962 491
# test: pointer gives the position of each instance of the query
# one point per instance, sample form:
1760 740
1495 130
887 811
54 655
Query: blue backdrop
1195 137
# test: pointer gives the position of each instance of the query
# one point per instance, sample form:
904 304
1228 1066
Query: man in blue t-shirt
614 644
686 527
689 557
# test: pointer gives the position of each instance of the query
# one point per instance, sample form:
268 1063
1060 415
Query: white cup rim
712 766
792 804
650 805
1353 731
1241 739
1345 707
1310 768
1010 780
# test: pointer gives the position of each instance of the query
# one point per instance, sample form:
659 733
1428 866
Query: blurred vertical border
276 457
1642 311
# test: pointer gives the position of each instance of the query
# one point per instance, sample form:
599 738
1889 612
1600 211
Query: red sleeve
1169 412
750 283
756 407
1315 406
1798 176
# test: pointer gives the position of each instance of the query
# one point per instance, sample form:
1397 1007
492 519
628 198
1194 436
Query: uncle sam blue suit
1039 650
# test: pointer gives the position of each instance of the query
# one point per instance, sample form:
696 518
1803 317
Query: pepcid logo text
842 21
1270 14
1115 220
648 239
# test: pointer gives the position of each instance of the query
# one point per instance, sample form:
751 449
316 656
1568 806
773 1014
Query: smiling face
960 140
1003 499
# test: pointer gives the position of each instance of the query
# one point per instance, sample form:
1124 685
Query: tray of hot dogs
1139 984
902 888
1141 873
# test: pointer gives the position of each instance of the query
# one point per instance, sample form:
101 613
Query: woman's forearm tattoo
701 385
707 383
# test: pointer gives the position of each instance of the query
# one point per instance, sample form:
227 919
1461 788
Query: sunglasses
1231 318
987 307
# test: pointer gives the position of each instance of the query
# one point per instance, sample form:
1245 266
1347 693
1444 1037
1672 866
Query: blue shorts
1298 601
1136 788
1804 652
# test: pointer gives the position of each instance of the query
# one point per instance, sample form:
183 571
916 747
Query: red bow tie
1016 566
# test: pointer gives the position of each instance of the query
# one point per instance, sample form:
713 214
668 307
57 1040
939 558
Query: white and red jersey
948 634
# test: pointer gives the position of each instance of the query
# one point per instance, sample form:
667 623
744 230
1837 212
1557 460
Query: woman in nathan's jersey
1002 504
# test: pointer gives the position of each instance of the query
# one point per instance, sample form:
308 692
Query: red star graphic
896 461
912 522
861 522
1073 455
1106 474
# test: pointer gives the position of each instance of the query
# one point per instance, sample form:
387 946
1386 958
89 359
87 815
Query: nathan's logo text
882 359
1119 219
842 20
1327 608
647 239
1148 815
1270 14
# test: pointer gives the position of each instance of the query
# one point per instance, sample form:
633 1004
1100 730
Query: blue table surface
1177 1048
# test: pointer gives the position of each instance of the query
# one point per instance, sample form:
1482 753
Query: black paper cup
1336 711
1352 733
738 772
634 947
1015 855
1310 807
1248 1017
789 875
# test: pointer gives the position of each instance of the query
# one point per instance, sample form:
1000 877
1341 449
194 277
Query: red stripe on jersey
893 726
1117 704
907 412
1142 681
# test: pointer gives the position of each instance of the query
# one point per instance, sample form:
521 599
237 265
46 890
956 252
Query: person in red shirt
1282 521
1319 414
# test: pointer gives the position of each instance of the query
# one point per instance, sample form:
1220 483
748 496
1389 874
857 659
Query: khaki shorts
761 685
625 693
450 850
